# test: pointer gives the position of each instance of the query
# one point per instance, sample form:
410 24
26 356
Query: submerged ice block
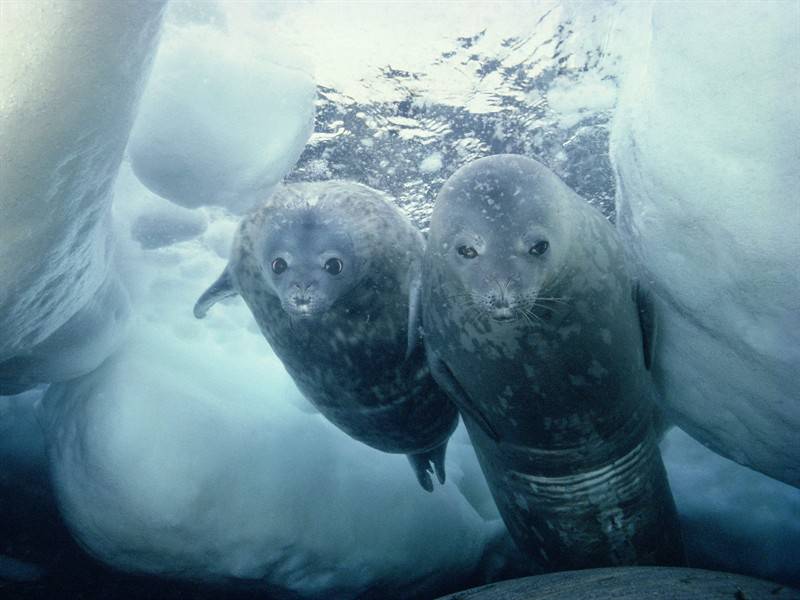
705 146
71 75
222 120
182 458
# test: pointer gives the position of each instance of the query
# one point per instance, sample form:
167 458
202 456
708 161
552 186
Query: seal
534 328
331 272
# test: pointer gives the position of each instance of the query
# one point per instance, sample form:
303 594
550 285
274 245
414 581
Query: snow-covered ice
706 145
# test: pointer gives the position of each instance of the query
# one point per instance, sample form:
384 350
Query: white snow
705 145
64 122
221 121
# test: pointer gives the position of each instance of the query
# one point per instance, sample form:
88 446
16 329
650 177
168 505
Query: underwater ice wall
706 146
74 72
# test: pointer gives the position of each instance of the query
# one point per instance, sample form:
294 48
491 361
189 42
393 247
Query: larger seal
331 272
535 329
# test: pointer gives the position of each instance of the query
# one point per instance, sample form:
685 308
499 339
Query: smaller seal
331 272
539 335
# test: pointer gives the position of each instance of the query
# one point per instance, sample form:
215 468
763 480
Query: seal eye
467 251
539 248
333 266
279 266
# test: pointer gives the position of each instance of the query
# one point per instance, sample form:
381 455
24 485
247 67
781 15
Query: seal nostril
499 302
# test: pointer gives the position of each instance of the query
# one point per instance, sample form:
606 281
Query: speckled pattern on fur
349 360
557 401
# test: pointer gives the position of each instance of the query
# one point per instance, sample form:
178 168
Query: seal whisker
530 313
473 317
536 305
559 300
461 296
476 299
499 284
526 317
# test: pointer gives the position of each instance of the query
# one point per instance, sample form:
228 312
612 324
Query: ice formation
76 71
221 121
77 347
733 518
16 570
705 145
166 226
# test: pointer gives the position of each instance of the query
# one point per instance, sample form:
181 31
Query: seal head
501 261
310 263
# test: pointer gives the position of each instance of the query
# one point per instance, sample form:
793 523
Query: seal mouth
305 315
503 315
303 310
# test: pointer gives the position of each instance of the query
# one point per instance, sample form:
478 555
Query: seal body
535 329
331 273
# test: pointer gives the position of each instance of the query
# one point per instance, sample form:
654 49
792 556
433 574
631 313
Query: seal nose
500 301
302 289
301 295
500 297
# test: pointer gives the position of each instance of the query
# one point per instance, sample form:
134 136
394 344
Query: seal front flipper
647 321
447 381
414 302
222 288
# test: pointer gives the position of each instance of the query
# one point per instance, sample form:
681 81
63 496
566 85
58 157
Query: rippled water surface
463 88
